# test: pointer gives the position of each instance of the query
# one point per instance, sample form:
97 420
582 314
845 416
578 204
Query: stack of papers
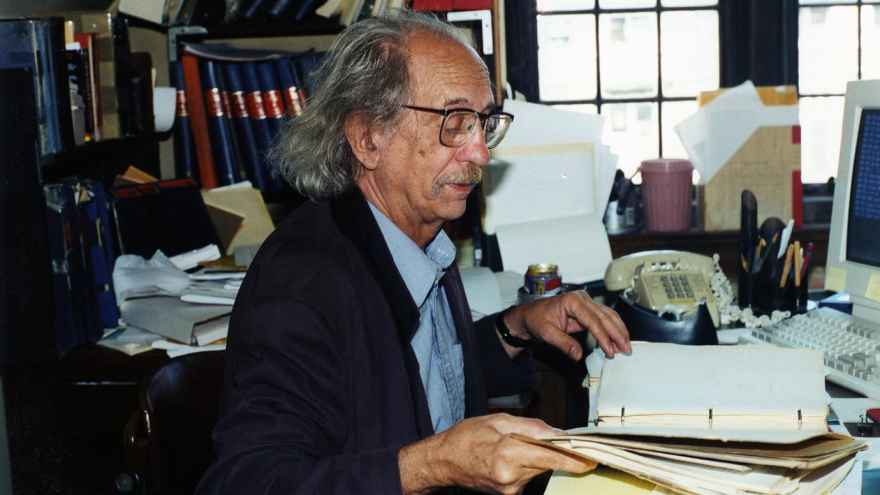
715 420
546 190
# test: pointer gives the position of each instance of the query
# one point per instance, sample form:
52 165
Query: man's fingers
617 330
565 343
545 458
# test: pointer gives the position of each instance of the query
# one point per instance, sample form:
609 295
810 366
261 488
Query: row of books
83 77
231 104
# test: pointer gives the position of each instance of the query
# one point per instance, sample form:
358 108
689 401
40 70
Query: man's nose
475 150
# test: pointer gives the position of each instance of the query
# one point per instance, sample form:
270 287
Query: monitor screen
864 206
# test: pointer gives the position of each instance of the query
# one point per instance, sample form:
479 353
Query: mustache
471 174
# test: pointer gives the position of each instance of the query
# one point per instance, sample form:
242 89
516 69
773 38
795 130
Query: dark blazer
321 386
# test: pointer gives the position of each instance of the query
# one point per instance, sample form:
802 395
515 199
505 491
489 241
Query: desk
725 243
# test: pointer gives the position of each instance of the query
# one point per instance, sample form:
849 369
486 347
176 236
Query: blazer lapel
474 389
356 222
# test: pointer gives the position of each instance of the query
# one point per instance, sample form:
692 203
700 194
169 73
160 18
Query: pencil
786 267
798 263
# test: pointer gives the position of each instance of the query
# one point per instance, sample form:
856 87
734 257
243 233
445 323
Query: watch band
504 331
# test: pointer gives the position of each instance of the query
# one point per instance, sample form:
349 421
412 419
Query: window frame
659 99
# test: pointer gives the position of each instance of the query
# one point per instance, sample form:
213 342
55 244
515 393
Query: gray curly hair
365 71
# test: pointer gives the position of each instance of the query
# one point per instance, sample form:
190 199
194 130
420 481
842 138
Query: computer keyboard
851 346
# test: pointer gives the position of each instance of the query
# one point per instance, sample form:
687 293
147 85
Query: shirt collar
420 270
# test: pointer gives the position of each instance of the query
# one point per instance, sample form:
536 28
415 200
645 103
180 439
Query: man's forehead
448 74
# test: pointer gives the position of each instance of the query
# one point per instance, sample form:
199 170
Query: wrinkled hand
479 453
551 320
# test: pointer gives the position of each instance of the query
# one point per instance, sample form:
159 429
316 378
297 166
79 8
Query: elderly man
352 362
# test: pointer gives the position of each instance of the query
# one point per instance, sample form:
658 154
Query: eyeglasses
459 125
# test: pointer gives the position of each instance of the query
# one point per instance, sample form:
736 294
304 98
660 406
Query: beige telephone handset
665 281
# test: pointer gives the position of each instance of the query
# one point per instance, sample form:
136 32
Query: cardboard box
764 164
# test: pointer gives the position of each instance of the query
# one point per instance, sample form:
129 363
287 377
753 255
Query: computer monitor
853 263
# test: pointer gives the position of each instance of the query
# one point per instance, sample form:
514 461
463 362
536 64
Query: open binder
715 420
742 393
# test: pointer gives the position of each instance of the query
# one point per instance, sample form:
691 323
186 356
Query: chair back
168 440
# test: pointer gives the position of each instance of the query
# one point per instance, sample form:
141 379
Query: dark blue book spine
279 7
306 7
274 104
251 8
184 147
290 85
255 164
257 113
101 256
68 281
218 125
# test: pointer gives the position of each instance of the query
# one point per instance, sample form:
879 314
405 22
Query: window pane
631 131
673 113
628 61
689 47
567 57
582 108
870 38
551 5
626 4
688 3
814 2
827 49
821 123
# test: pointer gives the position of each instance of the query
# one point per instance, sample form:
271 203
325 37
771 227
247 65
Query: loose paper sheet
578 245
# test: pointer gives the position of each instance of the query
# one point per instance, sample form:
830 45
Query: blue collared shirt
435 343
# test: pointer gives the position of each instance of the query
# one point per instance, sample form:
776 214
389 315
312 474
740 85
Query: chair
167 441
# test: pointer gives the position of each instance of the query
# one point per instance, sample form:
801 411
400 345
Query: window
641 63
831 37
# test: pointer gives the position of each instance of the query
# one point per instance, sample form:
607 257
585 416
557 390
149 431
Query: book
195 102
292 90
170 317
280 7
184 151
222 146
253 161
101 253
90 49
209 292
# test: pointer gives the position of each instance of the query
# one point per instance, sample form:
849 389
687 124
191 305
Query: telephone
672 286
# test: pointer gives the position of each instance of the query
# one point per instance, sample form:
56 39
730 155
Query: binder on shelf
270 87
294 97
184 152
259 119
255 164
101 253
219 129
199 121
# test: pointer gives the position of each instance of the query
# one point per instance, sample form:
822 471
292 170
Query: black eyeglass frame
445 112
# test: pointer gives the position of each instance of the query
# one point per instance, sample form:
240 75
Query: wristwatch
504 331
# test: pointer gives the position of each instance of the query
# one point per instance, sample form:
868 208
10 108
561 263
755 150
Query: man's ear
364 141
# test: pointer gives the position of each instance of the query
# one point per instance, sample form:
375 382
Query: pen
808 256
786 267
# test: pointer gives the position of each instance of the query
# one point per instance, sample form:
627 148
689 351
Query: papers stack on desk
716 420
546 190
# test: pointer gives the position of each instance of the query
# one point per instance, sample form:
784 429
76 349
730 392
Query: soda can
543 279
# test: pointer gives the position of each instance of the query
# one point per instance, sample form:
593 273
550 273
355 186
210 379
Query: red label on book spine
274 107
255 108
294 106
214 103
227 108
181 103
239 106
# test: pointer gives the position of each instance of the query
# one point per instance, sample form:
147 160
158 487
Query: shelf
312 25
101 159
